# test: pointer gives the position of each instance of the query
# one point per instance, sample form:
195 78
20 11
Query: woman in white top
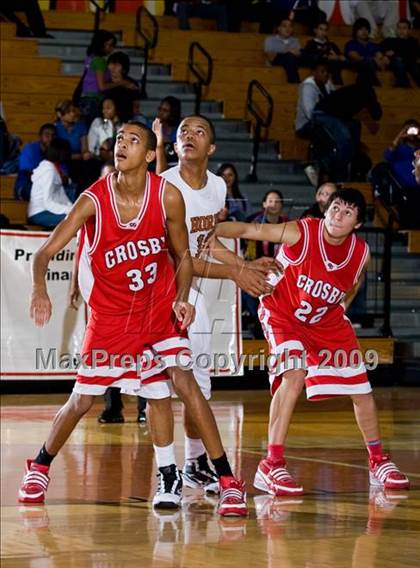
103 127
49 203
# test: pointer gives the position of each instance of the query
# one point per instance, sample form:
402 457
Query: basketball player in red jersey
138 307
310 338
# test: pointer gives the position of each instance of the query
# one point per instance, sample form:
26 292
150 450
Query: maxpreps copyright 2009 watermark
52 359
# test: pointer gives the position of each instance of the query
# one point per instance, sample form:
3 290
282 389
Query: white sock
194 447
165 455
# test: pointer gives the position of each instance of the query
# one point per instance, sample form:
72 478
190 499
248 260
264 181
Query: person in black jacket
403 53
320 48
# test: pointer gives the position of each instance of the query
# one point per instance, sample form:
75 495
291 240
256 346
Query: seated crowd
327 112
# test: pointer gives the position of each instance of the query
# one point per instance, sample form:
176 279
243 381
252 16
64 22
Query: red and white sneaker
275 479
386 474
232 501
34 483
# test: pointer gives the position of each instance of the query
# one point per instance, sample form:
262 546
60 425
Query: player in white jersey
204 194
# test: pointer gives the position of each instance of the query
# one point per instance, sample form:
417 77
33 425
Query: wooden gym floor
98 512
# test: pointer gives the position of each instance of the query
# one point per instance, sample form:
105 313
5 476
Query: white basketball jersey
201 205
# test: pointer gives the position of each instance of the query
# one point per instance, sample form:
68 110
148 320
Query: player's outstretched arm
288 233
178 242
40 310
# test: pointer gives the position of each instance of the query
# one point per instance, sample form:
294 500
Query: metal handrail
260 122
381 260
202 80
98 11
149 43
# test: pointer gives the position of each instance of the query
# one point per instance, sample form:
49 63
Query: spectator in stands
284 49
324 113
95 79
49 203
166 124
30 158
138 116
403 53
33 16
83 169
106 150
236 208
322 196
321 49
364 55
401 153
103 128
336 113
394 181
124 89
272 212
70 128
208 9
9 150
314 88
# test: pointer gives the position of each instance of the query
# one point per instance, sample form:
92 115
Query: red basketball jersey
313 286
124 268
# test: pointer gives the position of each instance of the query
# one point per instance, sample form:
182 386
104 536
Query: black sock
222 467
44 458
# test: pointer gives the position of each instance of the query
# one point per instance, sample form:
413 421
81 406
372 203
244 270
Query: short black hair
121 58
58 151
411 122
151 140
319 63
350 196
47 126
209 123
359 24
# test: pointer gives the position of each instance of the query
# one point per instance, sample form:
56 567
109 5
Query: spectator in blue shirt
70 128
83 169
400 154
365 55
31 156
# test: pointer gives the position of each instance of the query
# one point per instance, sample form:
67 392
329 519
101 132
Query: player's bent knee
81 403
184 383
293 380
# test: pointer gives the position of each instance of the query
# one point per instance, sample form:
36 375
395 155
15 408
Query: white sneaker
168 493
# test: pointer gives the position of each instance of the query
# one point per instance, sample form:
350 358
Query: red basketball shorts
330 355
130 352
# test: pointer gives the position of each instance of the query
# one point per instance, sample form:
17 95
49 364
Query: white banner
51 352
29 352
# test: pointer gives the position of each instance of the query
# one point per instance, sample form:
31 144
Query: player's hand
252 281
266 264
74 296
208 244
158 130
41 308
185 313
